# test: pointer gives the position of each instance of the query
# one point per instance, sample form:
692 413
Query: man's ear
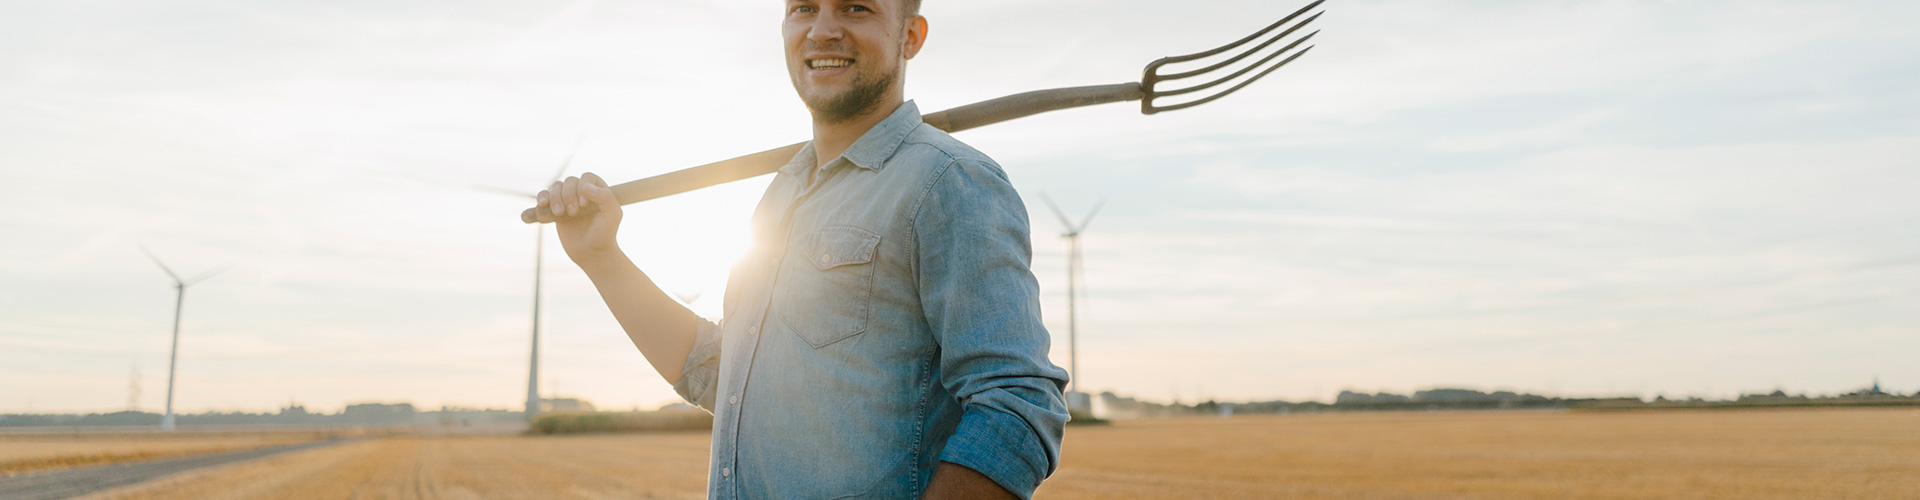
916 37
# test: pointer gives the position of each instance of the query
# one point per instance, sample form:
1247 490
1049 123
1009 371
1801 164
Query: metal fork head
1157 75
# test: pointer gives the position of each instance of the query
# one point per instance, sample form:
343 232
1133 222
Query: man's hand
953 481
587 216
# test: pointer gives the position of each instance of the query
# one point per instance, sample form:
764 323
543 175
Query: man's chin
815 97
832 104
840 107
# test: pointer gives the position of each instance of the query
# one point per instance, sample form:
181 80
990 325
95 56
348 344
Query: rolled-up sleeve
700 377
982 302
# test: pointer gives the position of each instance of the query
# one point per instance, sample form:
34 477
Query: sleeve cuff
1000 446
701 372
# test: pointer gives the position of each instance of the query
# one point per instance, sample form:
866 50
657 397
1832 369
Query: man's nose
826 26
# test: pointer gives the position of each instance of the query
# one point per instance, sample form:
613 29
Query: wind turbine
133 388
539 260
179 302
1072 234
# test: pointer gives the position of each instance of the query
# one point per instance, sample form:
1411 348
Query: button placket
751 344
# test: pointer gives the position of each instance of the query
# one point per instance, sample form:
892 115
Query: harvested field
1787 454
35 452
1867 453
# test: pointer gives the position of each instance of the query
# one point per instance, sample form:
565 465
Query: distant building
378 414
1777 396
1442 395
453 416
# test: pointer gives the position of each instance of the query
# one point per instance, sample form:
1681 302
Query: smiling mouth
828 63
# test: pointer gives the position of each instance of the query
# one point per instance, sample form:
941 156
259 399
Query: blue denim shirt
884 321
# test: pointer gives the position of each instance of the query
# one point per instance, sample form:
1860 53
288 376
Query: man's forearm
662 328
953 481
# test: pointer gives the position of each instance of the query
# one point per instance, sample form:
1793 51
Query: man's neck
831 140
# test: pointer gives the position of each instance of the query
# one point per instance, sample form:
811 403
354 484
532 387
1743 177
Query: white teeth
828 63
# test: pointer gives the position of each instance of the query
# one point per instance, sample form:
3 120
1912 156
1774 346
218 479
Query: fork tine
1236 74
1153 79
1243 41
1244 54
1235 88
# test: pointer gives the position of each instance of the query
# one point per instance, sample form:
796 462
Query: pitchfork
1152 92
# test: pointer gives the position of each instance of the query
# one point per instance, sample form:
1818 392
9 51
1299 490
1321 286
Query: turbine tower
1075 399
133 389
539 261
179 302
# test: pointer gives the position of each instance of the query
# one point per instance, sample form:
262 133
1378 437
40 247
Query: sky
1631 198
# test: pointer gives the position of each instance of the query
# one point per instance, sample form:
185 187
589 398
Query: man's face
845 55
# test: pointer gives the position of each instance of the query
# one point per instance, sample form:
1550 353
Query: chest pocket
832 298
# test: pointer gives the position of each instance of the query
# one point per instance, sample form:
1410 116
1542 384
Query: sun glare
688 243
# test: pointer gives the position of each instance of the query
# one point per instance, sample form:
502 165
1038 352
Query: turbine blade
163 266
1089 219
1064 223
208 275
562 172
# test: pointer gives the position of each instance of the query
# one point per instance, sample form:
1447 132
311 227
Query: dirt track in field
24 452
634 466
79 481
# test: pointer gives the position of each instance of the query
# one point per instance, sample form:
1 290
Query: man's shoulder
933 150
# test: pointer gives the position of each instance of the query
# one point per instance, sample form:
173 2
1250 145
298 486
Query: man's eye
858 8
804 9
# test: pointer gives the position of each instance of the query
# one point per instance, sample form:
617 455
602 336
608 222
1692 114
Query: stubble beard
864 95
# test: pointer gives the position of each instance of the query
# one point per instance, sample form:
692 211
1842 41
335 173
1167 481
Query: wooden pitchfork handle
1151 91
766 162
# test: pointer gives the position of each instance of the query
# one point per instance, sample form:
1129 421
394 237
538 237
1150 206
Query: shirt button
734 400
753 331
726 472
826 258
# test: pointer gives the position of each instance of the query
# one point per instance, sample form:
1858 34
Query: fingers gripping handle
541 214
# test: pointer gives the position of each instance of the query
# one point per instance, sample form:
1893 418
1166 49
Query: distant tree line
1868 397
355 415
1116 406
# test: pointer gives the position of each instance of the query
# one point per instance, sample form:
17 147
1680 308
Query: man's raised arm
665 331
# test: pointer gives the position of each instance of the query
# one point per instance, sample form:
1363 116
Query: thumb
597 191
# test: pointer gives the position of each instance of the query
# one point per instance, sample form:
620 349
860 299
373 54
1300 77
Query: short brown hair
909 8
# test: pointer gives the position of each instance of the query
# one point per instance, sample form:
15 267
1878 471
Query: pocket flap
831 247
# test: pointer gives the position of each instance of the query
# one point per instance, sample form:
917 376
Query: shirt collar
873 149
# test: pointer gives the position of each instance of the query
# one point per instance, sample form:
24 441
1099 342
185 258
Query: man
882 337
